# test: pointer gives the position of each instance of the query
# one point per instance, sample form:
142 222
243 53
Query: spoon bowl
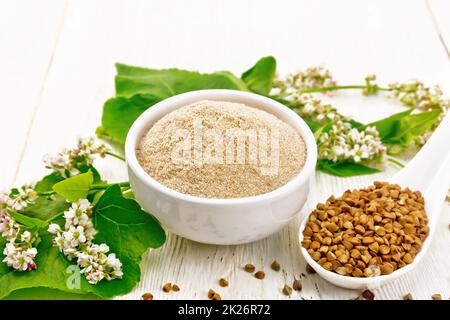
429 173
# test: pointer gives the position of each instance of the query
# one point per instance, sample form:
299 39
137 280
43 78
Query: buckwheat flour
217 149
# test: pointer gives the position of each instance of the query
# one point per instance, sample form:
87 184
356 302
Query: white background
57 68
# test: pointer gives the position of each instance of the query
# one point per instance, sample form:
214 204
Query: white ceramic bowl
220 221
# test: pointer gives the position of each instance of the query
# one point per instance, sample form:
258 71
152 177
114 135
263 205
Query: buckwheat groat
367 232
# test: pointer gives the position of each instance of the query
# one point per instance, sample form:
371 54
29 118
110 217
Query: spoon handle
431 163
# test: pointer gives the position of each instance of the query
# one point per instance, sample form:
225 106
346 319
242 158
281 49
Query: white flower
343 142
26 236
20 256
54 228
76 242
415 94
18 199
312 77
68 161
8 227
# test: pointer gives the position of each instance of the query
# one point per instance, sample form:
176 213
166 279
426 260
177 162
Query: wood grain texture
397 40
440 12
29 32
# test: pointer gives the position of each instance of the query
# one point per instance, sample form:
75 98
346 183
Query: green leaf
27 221
95 174
259 78
390 125
45 208
355 124
413 126
394 149
402 128
137 89
120 113
165 83
313 125
344 169
44 293
75 188
47 183
138 230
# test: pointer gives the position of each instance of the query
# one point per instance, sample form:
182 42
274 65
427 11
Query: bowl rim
141 123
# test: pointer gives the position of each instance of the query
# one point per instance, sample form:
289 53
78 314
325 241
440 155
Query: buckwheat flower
89 147
344 143
18 198
19 253
371 86
313 108
75 242
415 94
19 259
310 78
54 228
69 161
8 228
74 236
26 236
96 265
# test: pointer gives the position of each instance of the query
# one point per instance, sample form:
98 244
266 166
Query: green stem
398 163
115 156
99 186
107 185
334 88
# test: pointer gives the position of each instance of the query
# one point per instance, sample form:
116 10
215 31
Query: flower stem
100 186
335 88
115 155
398 163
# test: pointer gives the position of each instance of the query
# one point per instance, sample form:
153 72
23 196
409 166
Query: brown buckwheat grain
367 232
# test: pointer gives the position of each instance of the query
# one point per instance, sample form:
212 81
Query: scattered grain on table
167 287
223 282
275 266
297 285
147 296
250 268
287 290
408 297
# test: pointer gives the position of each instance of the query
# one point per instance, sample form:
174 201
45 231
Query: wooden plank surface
397 40
29 32
440 13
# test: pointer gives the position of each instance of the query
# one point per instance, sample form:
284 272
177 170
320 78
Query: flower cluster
18 198
371 86
342 142
312 77
19 253
416 95
76 242
68 161
310 107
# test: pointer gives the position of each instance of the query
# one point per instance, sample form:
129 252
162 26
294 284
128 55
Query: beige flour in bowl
217 149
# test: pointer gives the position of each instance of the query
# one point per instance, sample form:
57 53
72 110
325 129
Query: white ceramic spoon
428 172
